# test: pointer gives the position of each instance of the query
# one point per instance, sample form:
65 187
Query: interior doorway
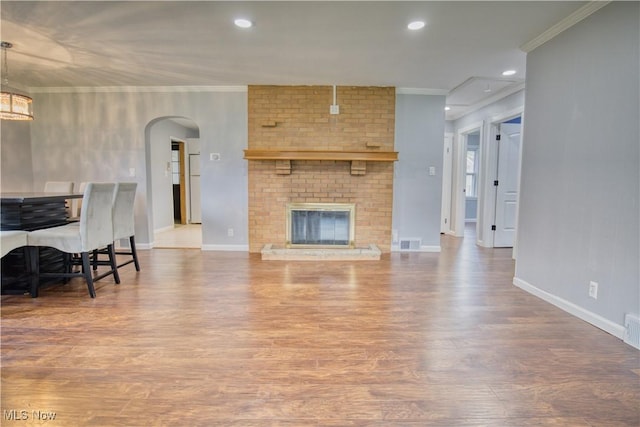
472 174
467 174
170 142
178 180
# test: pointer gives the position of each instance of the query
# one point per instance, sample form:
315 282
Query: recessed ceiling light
415 25
243 23
509 73
447 108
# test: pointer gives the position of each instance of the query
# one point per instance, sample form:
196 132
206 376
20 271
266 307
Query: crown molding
137 89
420 91
565 24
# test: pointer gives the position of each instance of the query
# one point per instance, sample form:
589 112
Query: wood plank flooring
225 339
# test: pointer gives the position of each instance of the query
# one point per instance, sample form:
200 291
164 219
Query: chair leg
86 268
33 257
95 259
114 265
66 259
132 243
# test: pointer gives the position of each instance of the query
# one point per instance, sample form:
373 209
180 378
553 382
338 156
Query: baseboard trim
423 248
571 308
144 246
226 248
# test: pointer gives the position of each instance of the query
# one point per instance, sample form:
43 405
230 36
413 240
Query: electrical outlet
334 109
230 232
593 290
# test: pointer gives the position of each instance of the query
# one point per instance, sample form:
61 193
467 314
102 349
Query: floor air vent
632 330
410 244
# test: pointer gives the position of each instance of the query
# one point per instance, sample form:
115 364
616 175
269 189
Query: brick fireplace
299 153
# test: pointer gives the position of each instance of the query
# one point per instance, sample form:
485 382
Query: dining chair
58 187
94 231
76 205
123 223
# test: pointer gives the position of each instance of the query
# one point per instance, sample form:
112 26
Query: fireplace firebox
320 225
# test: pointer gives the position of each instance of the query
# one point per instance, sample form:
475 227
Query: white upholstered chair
76 204
95 230
123 223
12 239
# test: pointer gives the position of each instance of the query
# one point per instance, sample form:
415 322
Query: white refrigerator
194 185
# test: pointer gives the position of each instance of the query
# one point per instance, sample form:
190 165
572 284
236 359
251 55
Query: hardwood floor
225 339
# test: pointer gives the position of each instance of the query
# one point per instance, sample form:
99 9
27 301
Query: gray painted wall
471 209
579 215
17 172
99 136
419 139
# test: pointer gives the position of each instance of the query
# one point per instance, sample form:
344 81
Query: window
471 187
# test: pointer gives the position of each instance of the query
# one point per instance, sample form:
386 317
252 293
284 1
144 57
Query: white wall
100 135
579 214
417 196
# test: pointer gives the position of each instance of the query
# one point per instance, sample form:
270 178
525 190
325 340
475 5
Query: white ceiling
464 47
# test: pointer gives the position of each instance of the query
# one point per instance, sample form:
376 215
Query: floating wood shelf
358 159
367 156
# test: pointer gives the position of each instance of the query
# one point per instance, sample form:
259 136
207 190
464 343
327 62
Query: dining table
31 211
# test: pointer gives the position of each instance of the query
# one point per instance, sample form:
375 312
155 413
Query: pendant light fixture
13 106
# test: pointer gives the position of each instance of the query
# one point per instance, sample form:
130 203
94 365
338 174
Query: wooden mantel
367 156
358 159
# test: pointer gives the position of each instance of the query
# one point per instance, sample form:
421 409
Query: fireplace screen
320 224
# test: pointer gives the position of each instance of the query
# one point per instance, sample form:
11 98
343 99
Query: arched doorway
170 146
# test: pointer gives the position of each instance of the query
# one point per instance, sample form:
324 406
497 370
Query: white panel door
507 191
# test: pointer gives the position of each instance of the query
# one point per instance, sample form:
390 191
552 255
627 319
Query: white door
194 180
447 163
507 190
